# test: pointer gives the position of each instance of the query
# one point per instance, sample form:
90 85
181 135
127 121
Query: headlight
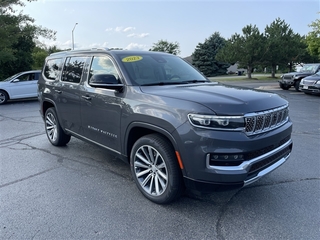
317 82
231 123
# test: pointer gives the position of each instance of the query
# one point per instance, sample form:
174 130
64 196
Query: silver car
20 85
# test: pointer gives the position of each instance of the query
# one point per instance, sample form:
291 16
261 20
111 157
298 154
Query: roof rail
86 50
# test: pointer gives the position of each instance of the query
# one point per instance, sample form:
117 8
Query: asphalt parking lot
81 192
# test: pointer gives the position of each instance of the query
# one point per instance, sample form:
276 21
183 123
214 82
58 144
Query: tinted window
72 70
102 65
25 77
51 69
151 68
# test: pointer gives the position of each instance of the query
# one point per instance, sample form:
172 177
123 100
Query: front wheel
155 169
296 85
54 131
283 86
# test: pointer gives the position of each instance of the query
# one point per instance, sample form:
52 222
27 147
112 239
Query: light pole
72 36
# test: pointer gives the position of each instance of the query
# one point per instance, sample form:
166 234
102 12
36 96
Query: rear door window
73 69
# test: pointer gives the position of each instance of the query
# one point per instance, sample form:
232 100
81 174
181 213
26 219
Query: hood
222 99
298 73
4 84
315 77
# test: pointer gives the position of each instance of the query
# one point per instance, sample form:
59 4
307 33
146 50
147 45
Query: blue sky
139 24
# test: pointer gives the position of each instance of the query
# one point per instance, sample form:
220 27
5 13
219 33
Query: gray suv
294 78
155 111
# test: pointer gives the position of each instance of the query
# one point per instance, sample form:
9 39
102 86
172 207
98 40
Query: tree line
277 46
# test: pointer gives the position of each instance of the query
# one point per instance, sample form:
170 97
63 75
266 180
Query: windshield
309 68
12 77
159 69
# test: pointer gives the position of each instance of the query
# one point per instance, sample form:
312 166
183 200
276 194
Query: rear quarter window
52 68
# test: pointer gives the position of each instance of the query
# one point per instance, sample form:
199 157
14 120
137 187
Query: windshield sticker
131 59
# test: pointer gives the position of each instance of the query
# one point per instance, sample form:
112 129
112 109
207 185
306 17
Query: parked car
20 85
174 126
294 78
311 84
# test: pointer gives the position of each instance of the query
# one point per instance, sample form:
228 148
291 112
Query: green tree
204 55
313 39
40 52
165 46
247 49
282 45
18 34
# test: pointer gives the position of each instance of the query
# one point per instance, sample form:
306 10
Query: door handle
58 91
86 97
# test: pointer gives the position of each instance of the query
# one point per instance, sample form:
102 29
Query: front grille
287 76
260 122
308 82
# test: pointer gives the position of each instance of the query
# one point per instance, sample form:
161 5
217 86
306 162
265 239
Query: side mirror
15 80
108 81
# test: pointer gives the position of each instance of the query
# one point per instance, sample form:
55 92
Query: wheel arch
6 92
46 104
138 129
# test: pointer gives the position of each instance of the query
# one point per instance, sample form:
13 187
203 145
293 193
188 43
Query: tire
155 169
296 85
55 134
283 86
3 97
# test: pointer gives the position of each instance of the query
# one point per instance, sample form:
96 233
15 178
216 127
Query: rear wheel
155 169
3 97
54 131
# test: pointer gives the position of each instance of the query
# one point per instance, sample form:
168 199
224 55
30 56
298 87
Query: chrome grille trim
260 122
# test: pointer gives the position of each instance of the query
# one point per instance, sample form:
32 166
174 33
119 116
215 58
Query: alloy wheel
151 170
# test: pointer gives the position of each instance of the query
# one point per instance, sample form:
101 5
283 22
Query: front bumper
261 154
313 89
287 82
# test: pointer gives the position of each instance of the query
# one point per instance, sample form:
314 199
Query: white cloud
118 29
105 44
69 11
136 46
95 45
128 29
136 35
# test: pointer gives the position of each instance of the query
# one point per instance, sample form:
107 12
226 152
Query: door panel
68 96
25 87
101 108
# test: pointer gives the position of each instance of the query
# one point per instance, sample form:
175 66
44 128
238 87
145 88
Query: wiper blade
195 81
163 83
173 82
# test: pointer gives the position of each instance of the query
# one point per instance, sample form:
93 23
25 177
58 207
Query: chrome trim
80 136
246 164
262 122
276 118
266 170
